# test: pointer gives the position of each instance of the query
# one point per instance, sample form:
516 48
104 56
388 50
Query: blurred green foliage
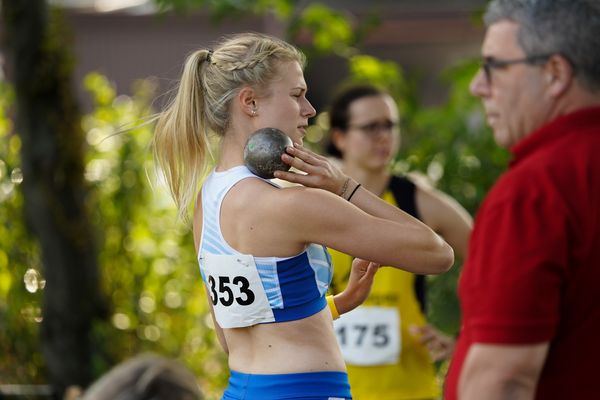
148 266
149 269
20 281
453 147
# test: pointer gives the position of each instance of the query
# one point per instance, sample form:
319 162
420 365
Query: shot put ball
262 154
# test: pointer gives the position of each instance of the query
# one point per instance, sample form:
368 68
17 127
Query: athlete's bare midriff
306 345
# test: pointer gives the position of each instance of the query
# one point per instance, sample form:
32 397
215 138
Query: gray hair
570 28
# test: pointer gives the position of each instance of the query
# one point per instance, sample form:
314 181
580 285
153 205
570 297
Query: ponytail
181 142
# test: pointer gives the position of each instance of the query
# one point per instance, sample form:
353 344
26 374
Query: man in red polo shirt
530 290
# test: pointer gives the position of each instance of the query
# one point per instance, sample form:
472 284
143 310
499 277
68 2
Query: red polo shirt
533 270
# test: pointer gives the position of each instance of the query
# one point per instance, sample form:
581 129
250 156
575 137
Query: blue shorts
325 385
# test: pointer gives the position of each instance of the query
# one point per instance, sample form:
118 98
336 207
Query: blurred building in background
127 40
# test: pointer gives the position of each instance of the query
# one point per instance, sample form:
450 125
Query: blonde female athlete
260 247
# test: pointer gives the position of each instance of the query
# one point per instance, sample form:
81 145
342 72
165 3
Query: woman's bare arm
367 227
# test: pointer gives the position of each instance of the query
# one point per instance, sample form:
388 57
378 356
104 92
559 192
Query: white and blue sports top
247 290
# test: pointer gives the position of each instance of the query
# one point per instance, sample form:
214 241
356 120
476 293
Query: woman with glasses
387 344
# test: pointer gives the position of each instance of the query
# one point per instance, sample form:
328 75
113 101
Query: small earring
254 113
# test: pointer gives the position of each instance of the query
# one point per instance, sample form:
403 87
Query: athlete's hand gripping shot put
261 248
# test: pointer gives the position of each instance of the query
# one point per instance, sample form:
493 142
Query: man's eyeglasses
489 64
373 129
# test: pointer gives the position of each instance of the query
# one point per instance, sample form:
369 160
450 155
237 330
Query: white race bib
369 335
235 290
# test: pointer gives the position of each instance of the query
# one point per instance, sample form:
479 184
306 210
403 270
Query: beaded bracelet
344 187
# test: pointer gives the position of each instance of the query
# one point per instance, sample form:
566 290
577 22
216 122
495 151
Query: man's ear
247 101
558 74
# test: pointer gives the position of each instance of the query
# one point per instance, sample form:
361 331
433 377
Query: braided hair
210 80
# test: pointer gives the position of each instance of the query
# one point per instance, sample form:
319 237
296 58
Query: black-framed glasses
488 64
373 129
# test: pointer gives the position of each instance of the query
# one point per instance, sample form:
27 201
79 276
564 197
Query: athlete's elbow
442 256
448 257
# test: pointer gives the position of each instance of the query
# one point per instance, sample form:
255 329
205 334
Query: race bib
369 335
235 290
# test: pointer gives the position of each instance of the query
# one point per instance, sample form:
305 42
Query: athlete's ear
247 101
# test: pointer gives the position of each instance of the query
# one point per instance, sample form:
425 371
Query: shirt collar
553 130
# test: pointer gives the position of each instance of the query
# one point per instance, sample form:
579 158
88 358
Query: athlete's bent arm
364 228
322 174
328 219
